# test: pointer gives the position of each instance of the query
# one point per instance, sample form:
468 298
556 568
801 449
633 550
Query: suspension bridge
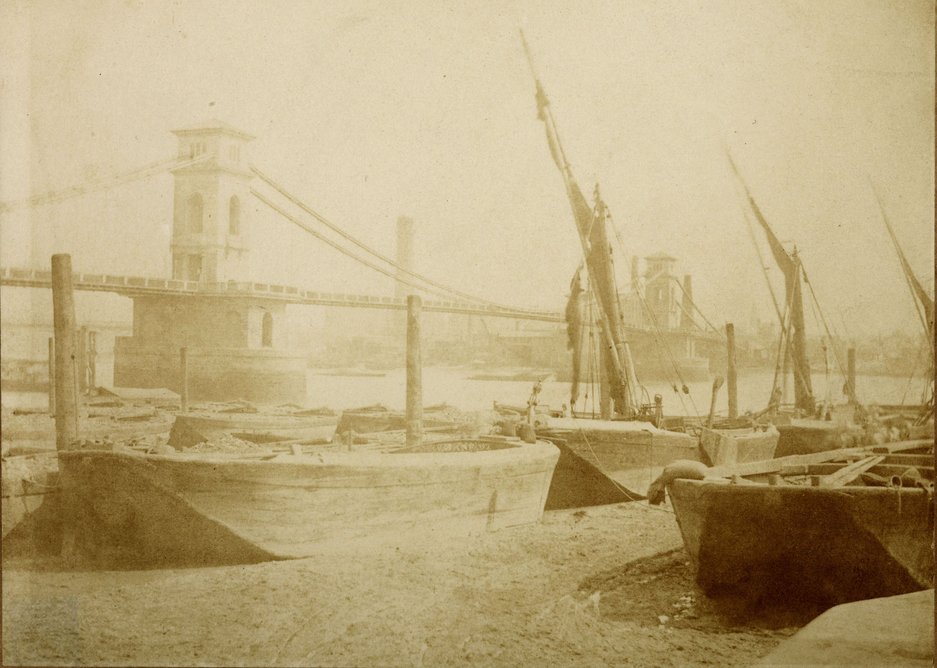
210 306
447 299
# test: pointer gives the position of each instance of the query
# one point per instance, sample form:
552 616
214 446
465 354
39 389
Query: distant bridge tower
660 291
210 204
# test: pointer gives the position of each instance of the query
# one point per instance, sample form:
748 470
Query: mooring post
184 378
92 359
851 375
66 385
414 373
51 376
731 372
81 356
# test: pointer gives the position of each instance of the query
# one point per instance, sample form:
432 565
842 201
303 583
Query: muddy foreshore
603 585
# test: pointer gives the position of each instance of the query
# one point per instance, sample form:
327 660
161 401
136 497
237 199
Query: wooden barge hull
191 429
198 509
803 437
612 462
790 543
606 461
738 446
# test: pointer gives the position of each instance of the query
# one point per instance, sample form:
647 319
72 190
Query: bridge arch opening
193 213
266 330
234 216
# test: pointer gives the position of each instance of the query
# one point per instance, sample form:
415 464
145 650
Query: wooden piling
92 359
414 373
731 372
81 359
184 378
851 375
51 376
66 385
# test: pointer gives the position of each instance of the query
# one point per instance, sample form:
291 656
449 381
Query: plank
775 465
847 474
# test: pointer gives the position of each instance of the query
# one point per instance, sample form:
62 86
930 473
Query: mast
790 266
591 228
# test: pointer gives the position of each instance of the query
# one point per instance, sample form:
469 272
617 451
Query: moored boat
615 457
829 527
196 427
129 508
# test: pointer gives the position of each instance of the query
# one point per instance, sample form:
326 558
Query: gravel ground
604 585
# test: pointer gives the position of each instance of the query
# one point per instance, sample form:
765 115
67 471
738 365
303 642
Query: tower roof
661 256
212 126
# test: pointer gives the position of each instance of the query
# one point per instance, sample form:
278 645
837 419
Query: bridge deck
133 286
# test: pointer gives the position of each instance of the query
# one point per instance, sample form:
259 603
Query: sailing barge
614 458
829 528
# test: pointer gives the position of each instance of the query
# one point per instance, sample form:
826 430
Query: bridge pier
235 349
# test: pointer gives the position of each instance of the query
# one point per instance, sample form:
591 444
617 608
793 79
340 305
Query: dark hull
795 544
803 437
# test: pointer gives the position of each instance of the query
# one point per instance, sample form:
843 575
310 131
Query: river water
452 385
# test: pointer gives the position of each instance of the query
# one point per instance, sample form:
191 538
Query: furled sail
574 332
591 228
923 298
789 265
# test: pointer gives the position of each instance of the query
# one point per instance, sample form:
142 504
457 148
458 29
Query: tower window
234 153
194 212
196 148
234 216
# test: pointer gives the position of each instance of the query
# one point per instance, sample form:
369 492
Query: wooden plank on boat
847 474
776 465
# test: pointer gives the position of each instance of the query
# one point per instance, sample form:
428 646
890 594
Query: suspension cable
104 183
341 249
368 249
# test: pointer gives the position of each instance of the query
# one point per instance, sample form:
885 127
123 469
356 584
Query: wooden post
717 383
66 385
605 388
81 359
851 375
414 373
184 378
52 376
731 372
92 360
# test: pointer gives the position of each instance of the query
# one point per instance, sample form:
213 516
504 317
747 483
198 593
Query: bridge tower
236 342
210 203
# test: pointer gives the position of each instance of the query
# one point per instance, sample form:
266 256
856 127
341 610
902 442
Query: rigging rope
695 308
813 295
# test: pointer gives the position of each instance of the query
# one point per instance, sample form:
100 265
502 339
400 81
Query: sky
372 110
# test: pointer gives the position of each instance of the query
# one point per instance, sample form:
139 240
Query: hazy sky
373 110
